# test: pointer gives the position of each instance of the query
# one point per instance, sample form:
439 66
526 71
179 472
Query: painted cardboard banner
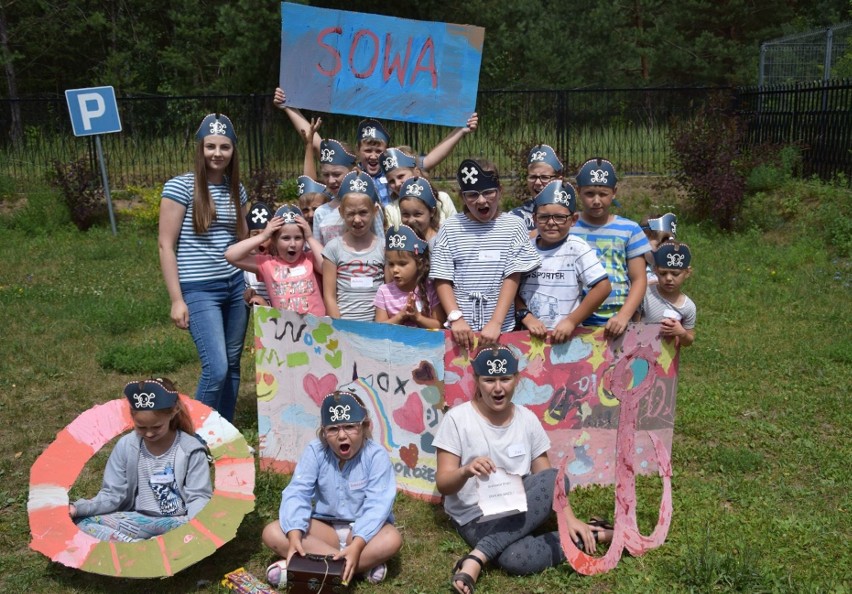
377 66
408 375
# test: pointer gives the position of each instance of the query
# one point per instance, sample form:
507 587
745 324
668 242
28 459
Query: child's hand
72 510
535 326
479 467
462 334
615 326
671 328
472 123
304 227
279 98
410 311
294 542
563 330
351 553
308 135
579 530
272 226
490 333
258 300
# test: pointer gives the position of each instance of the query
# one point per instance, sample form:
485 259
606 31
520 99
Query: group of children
379 243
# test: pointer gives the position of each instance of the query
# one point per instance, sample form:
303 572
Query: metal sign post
94 111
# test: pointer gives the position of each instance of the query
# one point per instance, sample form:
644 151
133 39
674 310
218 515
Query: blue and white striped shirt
477 257
202 257
615 242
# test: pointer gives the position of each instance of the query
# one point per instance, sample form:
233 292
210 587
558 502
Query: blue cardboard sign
337 61
93 111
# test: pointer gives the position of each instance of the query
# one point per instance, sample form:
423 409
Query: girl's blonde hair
203 208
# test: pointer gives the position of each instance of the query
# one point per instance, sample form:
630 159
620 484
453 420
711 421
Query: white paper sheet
501 494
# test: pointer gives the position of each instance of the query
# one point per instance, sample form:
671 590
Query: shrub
82 192
709 163
146 210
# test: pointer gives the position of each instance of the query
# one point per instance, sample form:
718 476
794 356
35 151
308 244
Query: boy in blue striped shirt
620 243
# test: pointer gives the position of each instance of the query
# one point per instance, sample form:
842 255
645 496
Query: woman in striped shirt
201 214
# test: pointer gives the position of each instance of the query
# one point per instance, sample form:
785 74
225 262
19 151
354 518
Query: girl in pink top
289 272
410 299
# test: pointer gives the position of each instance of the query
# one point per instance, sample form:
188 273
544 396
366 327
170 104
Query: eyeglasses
474 195
348 429
542 219
541 178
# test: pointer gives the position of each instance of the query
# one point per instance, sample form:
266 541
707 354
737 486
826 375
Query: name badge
516 450
297 271
489 256
672 314
357 485
162 479
361 282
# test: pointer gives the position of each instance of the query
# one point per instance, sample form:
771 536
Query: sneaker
276 574
377 574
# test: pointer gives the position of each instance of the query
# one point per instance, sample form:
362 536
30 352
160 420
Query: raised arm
443 149
300 122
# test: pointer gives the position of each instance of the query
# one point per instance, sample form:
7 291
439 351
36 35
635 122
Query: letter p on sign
93 111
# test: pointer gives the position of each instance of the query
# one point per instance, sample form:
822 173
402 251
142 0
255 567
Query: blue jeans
217 321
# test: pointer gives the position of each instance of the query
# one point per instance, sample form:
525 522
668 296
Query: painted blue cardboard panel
93 111
336 61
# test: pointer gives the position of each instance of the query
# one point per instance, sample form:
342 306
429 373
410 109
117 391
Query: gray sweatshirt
118 490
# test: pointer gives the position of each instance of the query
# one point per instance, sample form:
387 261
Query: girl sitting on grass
340 499
157 477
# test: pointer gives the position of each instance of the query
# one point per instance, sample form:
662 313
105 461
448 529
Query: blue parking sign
93 111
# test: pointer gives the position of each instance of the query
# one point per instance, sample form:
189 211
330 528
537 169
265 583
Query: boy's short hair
597 172
673 255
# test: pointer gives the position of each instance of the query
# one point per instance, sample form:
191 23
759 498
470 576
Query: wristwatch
520 314
454 315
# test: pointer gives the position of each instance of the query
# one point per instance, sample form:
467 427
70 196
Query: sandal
600 523
465 578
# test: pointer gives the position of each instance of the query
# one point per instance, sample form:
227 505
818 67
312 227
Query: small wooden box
315 574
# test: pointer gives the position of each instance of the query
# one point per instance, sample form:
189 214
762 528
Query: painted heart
409 454
431 394
425 373
322 332
317 388
410 416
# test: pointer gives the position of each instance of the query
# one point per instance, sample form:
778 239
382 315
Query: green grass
761 448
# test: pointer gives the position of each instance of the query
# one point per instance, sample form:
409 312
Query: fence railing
628 126
817 117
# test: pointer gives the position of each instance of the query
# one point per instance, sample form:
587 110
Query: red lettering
387 70
332 50
430 67
373 61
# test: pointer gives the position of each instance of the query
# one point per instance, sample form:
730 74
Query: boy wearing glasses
543 167
620 243
340 499
551 298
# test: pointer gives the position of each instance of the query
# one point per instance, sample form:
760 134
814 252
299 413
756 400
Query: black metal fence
817 117
628 126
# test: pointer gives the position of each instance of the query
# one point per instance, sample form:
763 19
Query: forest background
190 47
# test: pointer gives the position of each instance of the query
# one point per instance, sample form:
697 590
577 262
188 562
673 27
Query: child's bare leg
321 539
381 547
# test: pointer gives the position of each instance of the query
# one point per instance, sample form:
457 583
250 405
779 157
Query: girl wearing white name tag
478 259
473 441
354 264
288 272
156 479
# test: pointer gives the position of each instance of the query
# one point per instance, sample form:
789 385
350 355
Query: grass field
761 448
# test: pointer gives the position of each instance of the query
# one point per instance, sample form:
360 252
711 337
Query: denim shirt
362 491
